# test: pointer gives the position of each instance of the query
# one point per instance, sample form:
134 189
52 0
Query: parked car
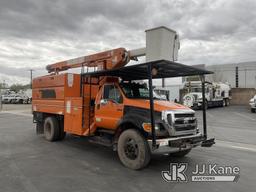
252 103
7 99
22 99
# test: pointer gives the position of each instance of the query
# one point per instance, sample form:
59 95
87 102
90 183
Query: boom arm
105 60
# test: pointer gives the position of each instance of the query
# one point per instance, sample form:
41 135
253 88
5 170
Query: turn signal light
147 127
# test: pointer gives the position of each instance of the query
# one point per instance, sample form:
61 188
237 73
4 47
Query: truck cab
129 102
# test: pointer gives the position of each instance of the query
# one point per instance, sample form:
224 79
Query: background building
238 75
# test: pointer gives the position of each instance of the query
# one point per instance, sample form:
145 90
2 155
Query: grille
177 115
195 96
184 122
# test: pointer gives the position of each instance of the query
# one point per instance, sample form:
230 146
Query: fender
135 117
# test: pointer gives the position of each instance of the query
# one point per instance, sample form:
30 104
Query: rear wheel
227 102
51 129
253 110
223 103
180 153
133 149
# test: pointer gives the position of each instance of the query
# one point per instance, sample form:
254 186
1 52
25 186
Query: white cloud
8 80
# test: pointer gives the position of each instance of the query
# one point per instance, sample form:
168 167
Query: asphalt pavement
30 163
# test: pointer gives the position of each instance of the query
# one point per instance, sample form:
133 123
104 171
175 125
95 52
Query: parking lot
30 163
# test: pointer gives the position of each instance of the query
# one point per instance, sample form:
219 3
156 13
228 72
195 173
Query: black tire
253 110
227 102
223 103
51 129
180 153
133 149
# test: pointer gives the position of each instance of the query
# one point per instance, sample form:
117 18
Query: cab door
109 107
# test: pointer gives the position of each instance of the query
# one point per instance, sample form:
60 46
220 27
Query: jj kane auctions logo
201 173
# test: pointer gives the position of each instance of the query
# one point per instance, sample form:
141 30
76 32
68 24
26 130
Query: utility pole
1 105
1 102
163 82
31 77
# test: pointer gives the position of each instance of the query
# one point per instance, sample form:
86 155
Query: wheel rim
47 130
131 149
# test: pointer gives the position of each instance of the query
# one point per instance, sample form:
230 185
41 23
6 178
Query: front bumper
175 144
253 105
196 105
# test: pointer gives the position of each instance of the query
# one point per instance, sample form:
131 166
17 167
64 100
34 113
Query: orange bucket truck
110 105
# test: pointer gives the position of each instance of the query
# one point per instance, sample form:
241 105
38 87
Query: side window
112 93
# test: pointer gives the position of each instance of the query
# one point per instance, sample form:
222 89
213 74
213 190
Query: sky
35 33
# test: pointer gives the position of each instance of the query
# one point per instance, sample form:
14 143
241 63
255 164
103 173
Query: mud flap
208 142
39 128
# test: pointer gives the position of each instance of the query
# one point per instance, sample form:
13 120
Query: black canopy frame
163 68
157 70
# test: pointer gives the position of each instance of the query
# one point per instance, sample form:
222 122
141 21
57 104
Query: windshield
137 91
196 89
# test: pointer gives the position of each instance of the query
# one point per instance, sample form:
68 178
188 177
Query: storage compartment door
73 115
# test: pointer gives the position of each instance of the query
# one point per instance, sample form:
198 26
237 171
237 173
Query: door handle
119 109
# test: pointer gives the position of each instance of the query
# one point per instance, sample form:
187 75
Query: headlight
168 117
148 128
252 101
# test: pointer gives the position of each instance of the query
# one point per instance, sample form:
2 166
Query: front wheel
133 149
253 110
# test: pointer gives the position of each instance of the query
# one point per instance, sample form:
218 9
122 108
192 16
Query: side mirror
103 101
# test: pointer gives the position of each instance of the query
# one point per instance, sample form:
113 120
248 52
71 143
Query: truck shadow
105 158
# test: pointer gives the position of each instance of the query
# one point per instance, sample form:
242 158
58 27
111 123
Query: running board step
101 141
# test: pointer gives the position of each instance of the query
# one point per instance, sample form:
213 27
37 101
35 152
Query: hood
253 99
159 105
